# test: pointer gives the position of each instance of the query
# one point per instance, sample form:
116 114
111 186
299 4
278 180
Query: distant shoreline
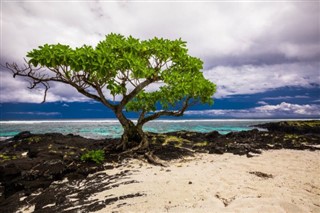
111 128
114 120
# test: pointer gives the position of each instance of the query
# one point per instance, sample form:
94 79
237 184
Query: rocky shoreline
30 165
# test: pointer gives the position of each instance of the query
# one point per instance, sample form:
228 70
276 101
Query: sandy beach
290 182
285 181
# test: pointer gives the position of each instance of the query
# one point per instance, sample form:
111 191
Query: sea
111 128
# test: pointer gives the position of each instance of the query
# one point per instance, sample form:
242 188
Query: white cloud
262 103
272 111
221 33
292 109
16 90
249 79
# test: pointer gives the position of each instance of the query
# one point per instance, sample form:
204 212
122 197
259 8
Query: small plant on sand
96 156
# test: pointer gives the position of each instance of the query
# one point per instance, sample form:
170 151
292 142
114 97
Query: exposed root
187 149
123 144
153 159
144 153
134 149
120 146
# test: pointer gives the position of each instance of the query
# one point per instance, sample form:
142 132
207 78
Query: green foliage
159 60
96 156
6 157
201 144
309 123
176 141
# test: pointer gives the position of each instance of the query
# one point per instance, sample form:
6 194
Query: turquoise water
112 129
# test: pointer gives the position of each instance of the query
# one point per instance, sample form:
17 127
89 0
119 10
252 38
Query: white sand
222 183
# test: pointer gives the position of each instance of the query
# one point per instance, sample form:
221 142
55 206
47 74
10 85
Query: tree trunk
144 142
131 133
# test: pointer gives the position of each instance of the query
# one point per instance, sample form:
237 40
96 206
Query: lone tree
124 67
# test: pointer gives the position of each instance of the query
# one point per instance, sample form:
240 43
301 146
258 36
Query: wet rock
213 134
22 135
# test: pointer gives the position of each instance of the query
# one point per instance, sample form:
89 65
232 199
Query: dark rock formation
294 127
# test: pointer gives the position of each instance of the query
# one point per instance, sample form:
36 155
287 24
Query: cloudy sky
264 56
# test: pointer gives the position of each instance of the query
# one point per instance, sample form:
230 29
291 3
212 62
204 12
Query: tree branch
133 93
141 117
156 115
38 78
103 98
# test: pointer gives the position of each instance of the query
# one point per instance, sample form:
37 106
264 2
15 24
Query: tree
125 67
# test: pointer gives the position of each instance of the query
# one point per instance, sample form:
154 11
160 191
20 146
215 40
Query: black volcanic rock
22 135
295 127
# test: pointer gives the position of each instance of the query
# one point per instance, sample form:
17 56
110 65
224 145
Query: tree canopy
155 77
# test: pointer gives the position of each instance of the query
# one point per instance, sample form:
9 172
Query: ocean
110 128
